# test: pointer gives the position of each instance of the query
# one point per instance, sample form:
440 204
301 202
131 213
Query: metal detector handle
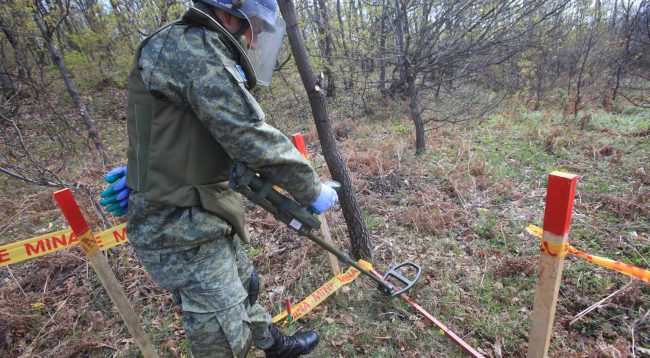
333 184
392 272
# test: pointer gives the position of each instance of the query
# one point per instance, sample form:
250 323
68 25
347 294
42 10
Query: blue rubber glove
326 199
116 196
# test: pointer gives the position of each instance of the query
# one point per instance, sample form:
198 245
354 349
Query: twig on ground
97 208
11 273
15 218
634 325
599 303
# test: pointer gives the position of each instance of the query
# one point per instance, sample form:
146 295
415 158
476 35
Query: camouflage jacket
195 69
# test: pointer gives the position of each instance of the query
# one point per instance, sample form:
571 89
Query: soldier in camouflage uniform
190 114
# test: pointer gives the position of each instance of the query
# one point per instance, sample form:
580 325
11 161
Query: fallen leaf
421 325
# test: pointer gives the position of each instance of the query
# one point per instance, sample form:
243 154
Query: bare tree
633 58
361 247
587 48
326 44
23 159
344 37
17 66
57 58
439 43
7 83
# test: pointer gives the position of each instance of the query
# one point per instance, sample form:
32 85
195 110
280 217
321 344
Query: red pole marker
287 303
77 221
559 202
557 220
299 142
100 265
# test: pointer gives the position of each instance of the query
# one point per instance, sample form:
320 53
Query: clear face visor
265 44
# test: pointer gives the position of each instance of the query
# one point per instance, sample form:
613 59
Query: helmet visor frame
265 44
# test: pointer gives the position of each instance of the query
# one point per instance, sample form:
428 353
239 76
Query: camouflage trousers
210 282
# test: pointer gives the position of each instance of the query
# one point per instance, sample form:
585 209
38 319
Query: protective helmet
263 10
267 32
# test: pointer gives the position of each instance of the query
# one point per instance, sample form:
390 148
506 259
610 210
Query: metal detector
261 192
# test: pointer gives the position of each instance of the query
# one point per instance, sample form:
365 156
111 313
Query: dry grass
459 211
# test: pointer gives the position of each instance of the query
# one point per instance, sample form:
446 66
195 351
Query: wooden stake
299 143
98 262
327 237
557 220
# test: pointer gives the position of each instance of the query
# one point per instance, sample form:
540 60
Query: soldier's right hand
116 196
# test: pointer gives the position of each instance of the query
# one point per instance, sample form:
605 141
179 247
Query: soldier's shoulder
181 36
180 47
204 41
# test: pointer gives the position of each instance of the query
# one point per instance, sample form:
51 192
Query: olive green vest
172 158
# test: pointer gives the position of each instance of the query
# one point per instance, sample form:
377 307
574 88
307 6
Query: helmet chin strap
242 29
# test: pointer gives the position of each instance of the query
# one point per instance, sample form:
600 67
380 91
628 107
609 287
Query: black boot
291 346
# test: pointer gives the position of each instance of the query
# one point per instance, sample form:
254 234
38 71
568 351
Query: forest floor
459 211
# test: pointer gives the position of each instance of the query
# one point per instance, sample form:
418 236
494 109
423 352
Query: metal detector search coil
394 272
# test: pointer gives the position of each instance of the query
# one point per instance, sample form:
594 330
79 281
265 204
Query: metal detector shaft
388 288
245 181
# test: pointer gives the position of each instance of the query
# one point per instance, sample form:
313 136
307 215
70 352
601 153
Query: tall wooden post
80 227
299 142
557 220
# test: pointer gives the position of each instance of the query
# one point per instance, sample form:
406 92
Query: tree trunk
57 58
326 46
399 26
8 88
19 56
7 84
400 17
361 247
347 80
414 107
382 47
580 81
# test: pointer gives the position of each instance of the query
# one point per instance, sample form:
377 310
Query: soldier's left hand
116 196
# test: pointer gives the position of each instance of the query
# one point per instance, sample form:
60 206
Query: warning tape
562 249
46 244
318 296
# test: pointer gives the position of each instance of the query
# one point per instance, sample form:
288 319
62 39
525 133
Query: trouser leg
217 334
260 320
205 279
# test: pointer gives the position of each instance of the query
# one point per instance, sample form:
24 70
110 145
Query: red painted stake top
299 142
71 211
559 202
288 304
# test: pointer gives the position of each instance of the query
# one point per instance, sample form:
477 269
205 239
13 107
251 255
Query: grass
459 211
497 177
